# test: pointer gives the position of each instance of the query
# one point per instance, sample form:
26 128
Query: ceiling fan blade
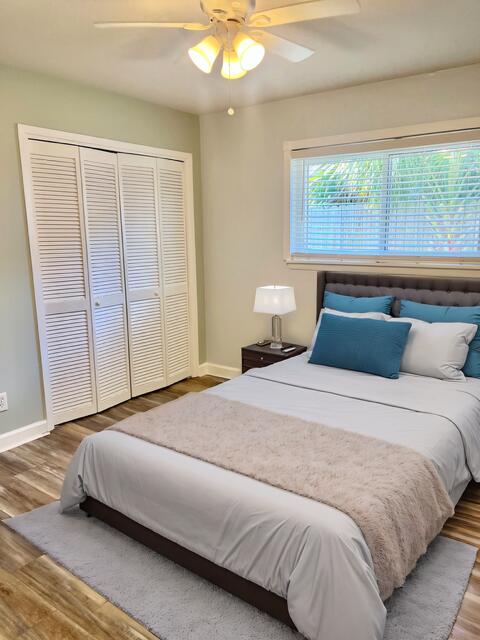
189 26
289 50
304 11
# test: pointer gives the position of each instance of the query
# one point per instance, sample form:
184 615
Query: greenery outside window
419 202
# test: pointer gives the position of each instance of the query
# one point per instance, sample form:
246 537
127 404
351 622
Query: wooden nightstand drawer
251 363
254 356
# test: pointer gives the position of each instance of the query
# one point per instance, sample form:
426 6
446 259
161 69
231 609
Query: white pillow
372 315
436 349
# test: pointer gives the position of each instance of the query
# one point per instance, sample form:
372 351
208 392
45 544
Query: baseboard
218 370
23 435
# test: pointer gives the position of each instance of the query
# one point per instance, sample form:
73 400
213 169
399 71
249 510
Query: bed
302 561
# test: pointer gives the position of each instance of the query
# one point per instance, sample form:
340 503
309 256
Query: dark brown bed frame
431 290
231 582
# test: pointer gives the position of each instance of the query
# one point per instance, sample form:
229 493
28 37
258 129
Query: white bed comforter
307 552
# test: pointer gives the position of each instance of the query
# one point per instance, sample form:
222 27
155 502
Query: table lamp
277 300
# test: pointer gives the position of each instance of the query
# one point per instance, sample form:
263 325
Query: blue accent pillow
361 344
350 304
437 313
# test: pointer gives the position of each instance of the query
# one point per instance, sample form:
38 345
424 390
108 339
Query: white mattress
309 553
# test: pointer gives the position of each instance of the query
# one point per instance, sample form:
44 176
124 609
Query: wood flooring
39 600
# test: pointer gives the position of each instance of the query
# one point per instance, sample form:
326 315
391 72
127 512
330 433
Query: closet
108 239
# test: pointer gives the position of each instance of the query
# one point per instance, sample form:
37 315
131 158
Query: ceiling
387 39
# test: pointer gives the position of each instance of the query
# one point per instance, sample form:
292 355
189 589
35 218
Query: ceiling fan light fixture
231 68
204 54
249 51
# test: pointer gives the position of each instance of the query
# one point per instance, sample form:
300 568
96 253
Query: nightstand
255 356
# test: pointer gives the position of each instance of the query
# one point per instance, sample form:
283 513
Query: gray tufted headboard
458 292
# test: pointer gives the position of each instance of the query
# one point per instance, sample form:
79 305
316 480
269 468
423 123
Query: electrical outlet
3 401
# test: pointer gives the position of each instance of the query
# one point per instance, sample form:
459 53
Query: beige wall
242 182
43 101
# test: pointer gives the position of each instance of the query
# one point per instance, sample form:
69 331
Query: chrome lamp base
276 333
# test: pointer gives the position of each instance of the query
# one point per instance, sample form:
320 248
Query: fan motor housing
223 10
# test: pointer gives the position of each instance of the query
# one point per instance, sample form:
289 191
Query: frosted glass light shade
249 52
204 54
232 69
274 299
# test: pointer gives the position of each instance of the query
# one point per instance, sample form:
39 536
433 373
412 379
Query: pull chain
230 110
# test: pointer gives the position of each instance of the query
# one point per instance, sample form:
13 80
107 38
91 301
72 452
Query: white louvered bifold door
105 264
171 185
139 200
57 238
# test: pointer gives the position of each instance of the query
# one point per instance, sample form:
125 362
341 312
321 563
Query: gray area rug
177 605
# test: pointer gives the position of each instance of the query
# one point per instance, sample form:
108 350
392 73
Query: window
419 201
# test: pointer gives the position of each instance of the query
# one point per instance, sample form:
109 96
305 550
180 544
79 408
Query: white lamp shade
204 54
232 69
249 51
274 299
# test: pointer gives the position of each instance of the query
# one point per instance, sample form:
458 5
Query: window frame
380 139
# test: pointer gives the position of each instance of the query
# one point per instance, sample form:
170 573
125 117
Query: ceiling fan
238 29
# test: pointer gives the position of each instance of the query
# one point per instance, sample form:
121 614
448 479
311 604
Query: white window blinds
421 201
